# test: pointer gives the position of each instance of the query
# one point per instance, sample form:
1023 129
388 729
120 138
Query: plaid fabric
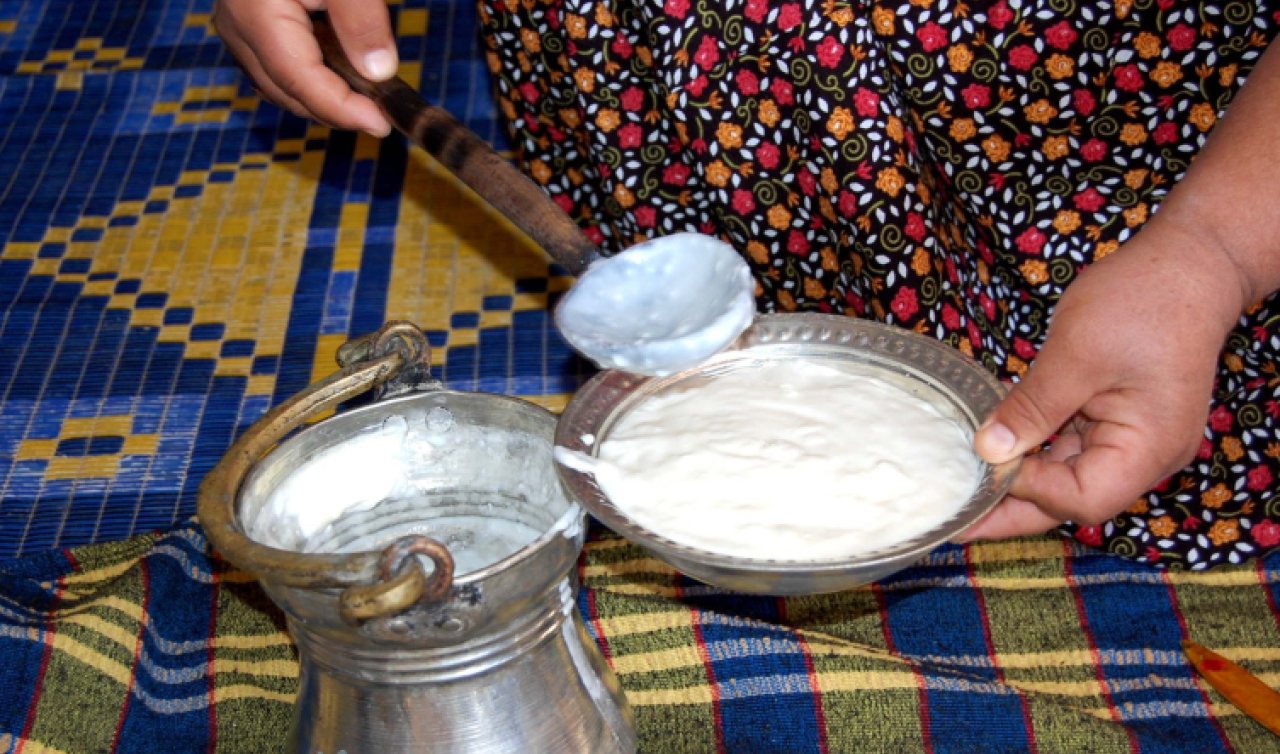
153 645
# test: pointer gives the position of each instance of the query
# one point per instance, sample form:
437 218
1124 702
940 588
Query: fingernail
998 441
380 64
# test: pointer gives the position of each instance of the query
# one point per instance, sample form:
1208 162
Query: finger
364 29
1012 517
291 61
1054 389
267 88
1089 488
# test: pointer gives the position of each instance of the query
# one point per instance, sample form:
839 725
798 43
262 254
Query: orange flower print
1059 67
840 123
1227 74
607 119
531 41
1040 112
1015 365
1135 178
1232 448
729 135
603 16
1139 507
997 149
718 174
1035 271
960 57
1166 74
1133 134
829 181
1163 526
1136 215
814 289
841 16
786 302
779 217
1056 147
1148 45
645 55
585 78
830 262
768 113
1224 530
540 171
1215 496
890 181
1066 221
576 25
883 20
624 196
1233 362
963 129
893 127
1104 248
758 252
1123 7
921 261
1203 116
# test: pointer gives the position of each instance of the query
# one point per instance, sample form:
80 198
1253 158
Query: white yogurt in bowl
816 454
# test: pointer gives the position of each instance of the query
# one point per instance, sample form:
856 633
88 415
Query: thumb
1034 409
364 29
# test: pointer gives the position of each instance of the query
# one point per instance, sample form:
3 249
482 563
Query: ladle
658 307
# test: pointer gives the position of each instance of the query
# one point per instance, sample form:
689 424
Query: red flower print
988 306
1094 150
1191 523
1165 133
593 233
1083 101
915 228
847 203
855 302
975 335
976 96
767 156
630 136
797 244
866 102
1221 419
1273 409
1128 78
1266 533
984 251
783 91
697 86
1023 57
1089 535
932 37
1024 348
1031 241
757 10
952 275
565 202
743 203
999 16
1259 478
676 174
674 8
748 83
1061 35
1089 200
632 99
1181 38
904 304
646 217
708 53
529 93
950 317
1206 449
622 48
1165 4
808 182
830 51
1151 554
789 16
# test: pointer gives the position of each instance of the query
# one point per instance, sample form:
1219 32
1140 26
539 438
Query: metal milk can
423 551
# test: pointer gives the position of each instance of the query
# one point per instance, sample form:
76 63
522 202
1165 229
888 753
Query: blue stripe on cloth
169 704
369 310
959 720
766 700
1110 608
23 632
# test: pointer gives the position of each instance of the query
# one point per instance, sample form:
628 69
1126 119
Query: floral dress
945 166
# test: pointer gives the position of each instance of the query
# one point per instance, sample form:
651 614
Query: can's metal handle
380 584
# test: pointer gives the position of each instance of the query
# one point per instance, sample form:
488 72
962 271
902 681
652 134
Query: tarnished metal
443 618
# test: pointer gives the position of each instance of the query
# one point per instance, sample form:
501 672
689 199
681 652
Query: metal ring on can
404 581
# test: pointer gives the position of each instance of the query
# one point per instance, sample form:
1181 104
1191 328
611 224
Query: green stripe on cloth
161 641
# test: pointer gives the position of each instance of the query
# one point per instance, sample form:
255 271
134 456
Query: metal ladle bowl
956 385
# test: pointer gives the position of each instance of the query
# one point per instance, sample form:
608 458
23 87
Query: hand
1124 379
274 42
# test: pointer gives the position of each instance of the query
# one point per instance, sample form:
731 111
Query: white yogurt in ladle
660 306
786 460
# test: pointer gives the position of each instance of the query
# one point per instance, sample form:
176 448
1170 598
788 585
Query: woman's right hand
274 42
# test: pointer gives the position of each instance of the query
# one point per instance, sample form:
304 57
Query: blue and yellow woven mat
176 256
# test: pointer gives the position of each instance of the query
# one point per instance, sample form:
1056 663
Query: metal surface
921 365
401 649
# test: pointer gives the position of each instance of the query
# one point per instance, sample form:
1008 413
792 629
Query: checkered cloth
153 645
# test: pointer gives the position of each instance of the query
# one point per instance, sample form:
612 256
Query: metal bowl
932 371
